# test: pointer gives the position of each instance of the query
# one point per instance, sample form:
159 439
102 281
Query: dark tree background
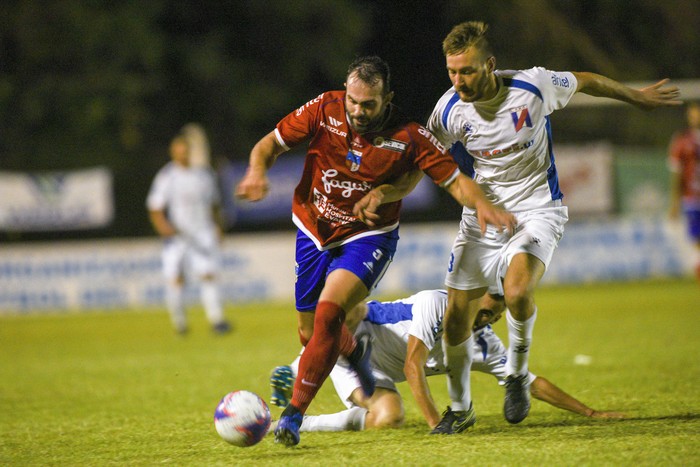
85 83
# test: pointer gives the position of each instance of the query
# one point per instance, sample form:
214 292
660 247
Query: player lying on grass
406 347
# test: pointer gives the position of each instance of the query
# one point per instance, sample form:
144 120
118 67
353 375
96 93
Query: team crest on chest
353 160
521 118
468 129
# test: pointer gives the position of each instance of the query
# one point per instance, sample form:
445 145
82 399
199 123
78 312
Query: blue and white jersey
391 323
188 194
505 143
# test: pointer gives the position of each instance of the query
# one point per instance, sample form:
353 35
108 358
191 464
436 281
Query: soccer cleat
221 328
287 431
282 383
455 421
517 401
359 361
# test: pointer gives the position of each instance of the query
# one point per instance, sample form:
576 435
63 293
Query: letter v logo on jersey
334 122
521 117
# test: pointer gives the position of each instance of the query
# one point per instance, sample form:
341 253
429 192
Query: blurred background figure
184 208
199 145
684 161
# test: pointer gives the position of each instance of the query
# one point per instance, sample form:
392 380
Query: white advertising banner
123 274
50 201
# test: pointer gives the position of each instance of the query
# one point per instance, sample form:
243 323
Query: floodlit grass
110 388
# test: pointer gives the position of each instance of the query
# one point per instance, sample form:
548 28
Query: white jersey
391 323
188 194
505 143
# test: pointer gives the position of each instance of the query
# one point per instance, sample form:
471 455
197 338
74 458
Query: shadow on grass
493 424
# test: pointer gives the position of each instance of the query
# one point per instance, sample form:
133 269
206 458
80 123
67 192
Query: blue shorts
693 216
368 258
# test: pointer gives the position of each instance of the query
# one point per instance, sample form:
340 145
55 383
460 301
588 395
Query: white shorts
192 256
345 381
477 261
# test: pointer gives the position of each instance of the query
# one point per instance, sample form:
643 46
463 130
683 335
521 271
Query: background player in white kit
183 206
496 124
406 335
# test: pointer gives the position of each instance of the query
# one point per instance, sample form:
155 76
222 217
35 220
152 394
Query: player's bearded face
471 75
365 105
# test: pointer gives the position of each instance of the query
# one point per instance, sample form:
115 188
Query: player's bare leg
522 277
211 301
458 345
175 303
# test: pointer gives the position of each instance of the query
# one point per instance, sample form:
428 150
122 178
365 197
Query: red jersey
342 166
684 158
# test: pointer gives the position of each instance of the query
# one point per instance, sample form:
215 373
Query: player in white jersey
406 336
496 124
183 206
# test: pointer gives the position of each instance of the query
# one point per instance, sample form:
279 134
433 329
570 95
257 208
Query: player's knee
456 332
518 297
304 335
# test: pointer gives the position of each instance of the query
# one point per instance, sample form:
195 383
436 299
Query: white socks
348 420
174 301
458 360
211 300
519 340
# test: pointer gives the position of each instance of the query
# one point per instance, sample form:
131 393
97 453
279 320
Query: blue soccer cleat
287 431
282 383
359 361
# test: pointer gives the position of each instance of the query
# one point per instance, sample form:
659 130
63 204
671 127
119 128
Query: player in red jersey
359 144
684 160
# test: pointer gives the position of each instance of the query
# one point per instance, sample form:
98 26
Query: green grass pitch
119 388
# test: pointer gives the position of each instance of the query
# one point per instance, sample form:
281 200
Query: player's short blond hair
466 35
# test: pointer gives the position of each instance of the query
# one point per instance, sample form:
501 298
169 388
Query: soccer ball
242 418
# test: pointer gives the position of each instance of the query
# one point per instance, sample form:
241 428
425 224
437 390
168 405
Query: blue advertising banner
284 177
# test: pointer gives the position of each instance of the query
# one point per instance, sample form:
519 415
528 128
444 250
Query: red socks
330 339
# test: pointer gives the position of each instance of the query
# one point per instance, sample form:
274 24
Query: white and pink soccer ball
242 418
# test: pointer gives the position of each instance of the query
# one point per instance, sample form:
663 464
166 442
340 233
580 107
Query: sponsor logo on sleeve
561 81
308 104
431 138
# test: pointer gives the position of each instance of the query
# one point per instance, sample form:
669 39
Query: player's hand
254 186
366 209
607 415
659 95
487 213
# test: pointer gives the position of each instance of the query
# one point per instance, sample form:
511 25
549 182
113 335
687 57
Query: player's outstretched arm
161 224
255 185
650 97
467 193
546 391
366 208
414 369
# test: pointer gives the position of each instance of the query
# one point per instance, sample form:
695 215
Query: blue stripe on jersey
445 113
552 177
481 342
464 160
388 313
520 84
